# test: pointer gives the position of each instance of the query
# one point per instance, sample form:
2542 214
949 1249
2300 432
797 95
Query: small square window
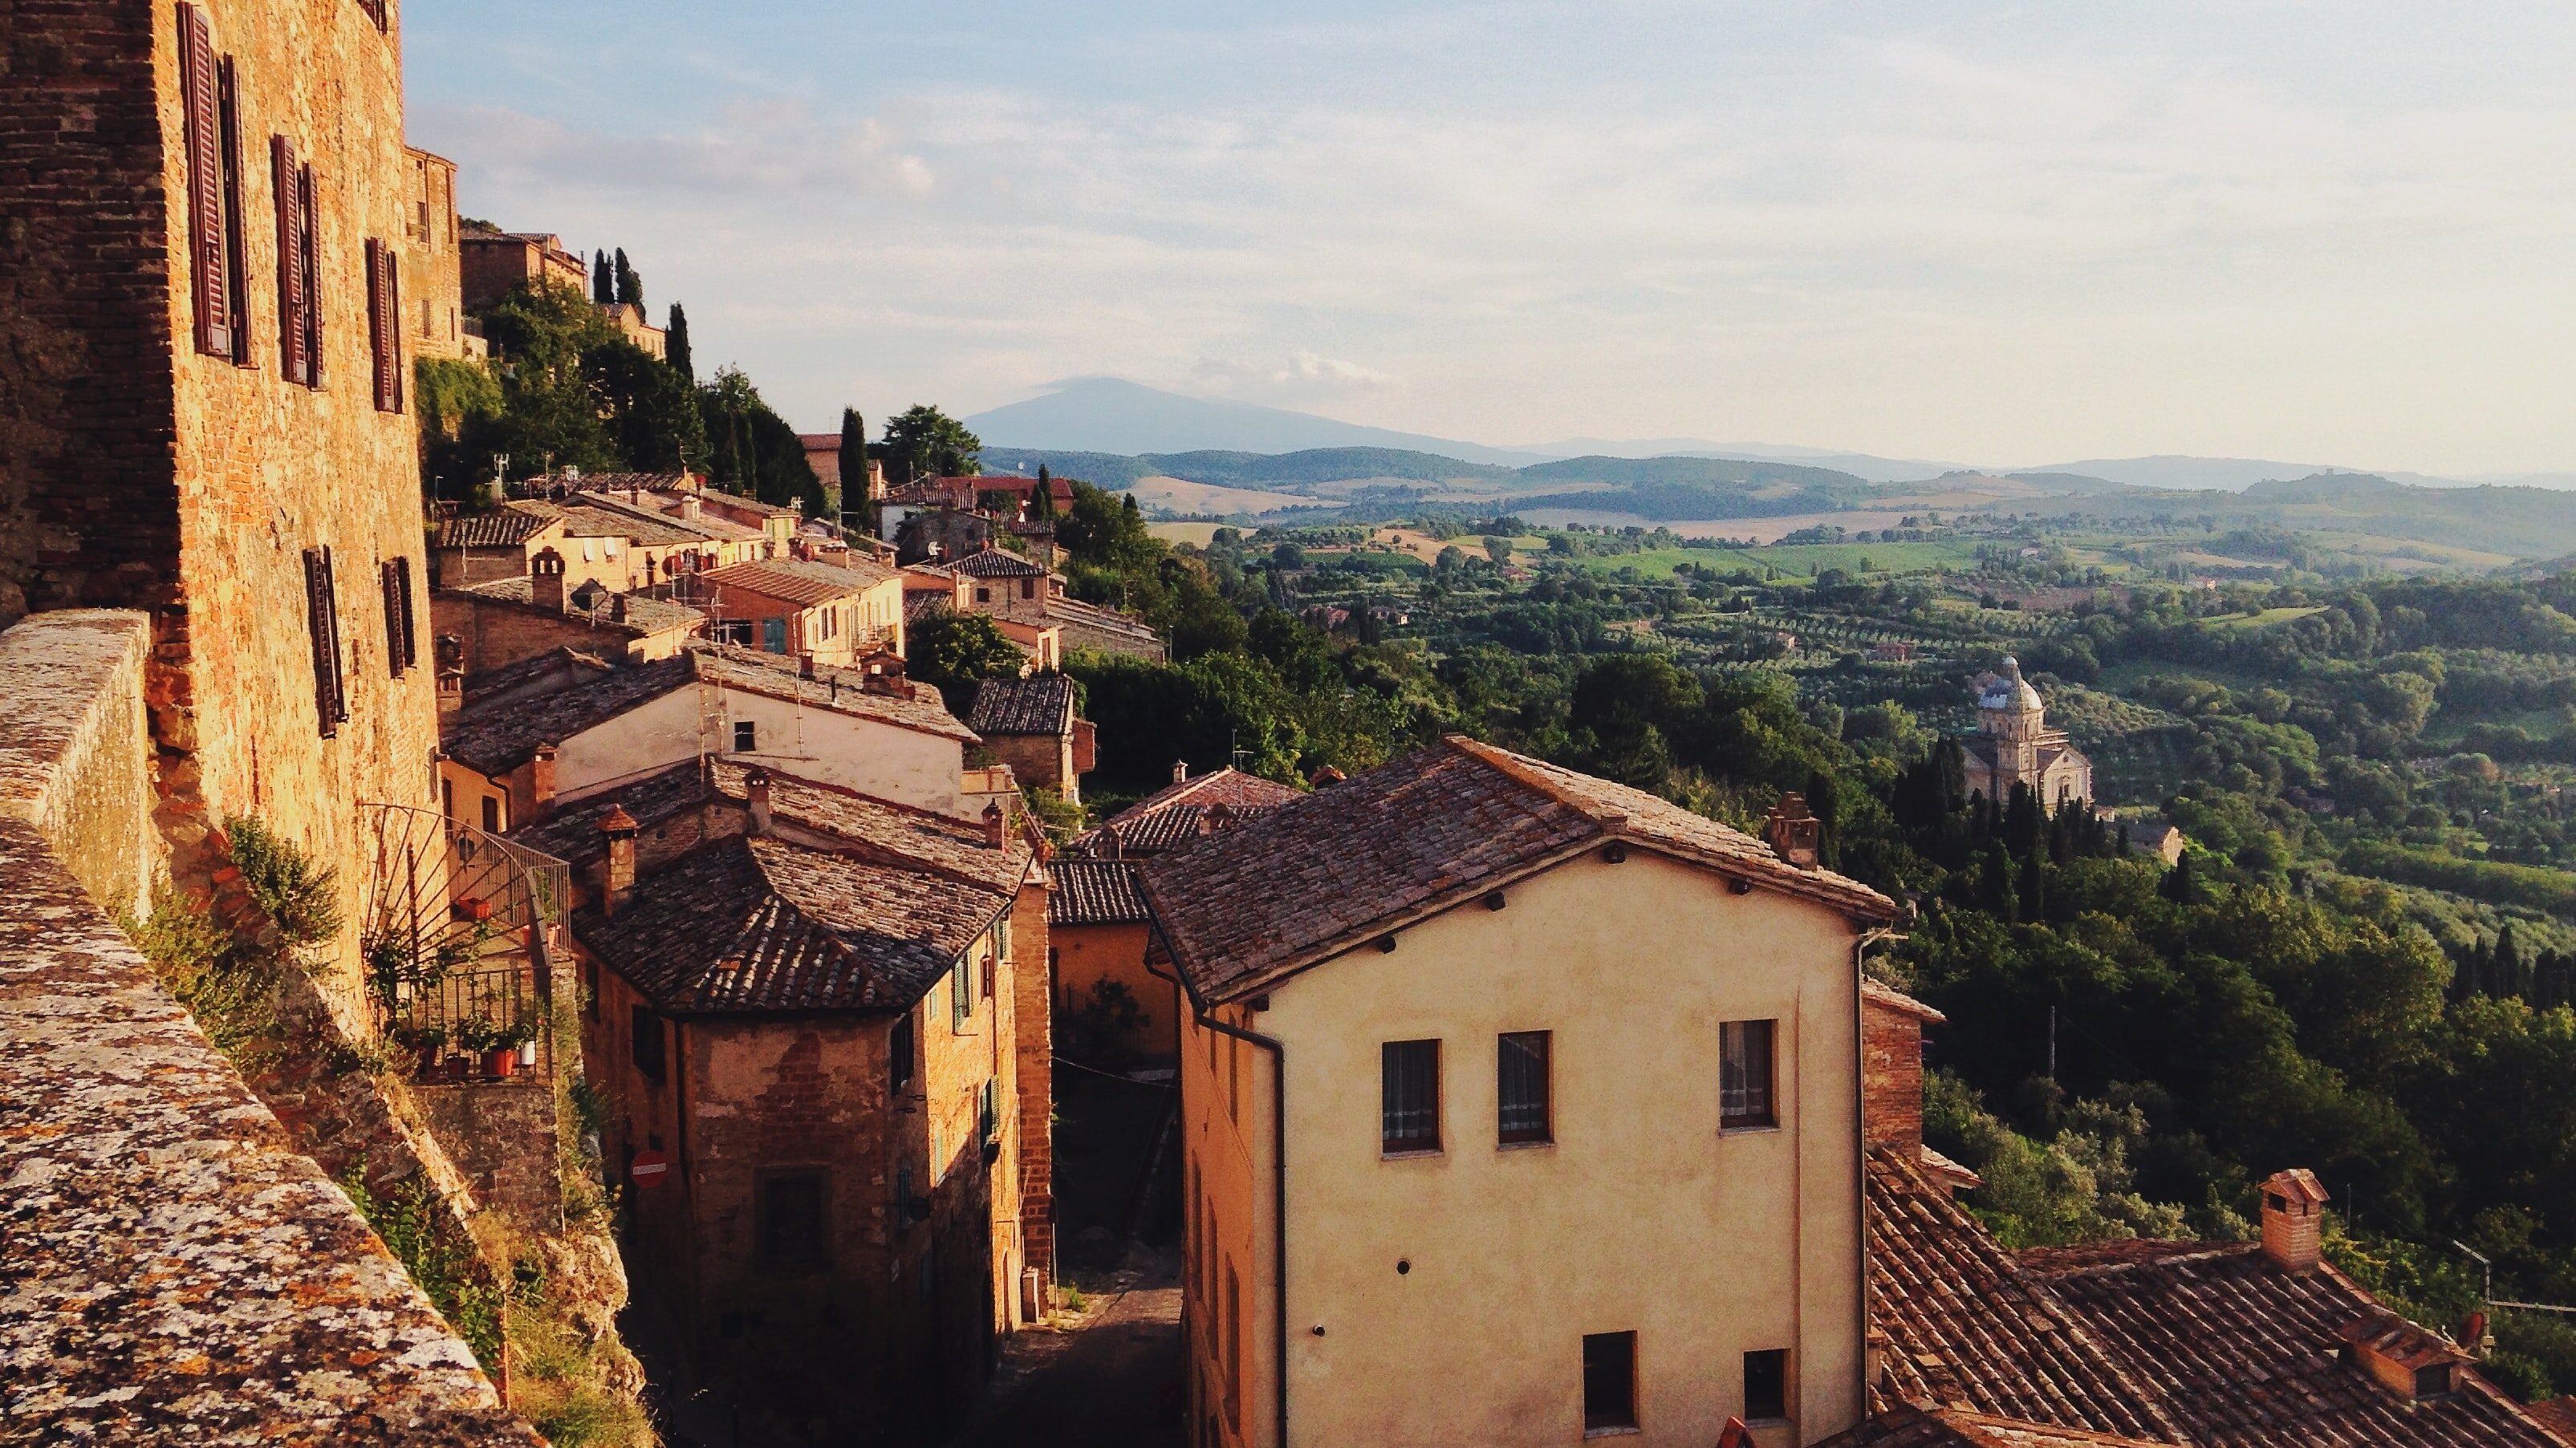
1766 1384
1409 1107
746 737
1609 1381
1744 1075
790 1212
1521 1088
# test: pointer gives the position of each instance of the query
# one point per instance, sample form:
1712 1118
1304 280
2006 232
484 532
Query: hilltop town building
1518 1107
2013 745
497 263
1030 725
830 613
826 1012
432 264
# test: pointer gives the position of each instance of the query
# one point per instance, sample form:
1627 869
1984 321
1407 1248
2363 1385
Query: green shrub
302 897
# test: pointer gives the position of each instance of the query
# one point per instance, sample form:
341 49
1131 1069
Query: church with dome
2014 745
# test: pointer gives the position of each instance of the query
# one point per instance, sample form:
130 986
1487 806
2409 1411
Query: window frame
902 1040
746 736
209 250
322 621
1775 1370
1608 1419
643 1025
1393 1071
767 1249
1544 1059
1759 1054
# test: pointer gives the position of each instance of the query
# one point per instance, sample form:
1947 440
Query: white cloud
2335 233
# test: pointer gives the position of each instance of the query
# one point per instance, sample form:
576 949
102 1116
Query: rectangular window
1233 1349
285 176
790 1213
1744 1094
492 814
990 1110
961 990
647 1045
384 329
903 1216
322 618
1002 938
209 250
374 10
1409 1107
1766 1384
899 1047
401 648
1520 1088
1609 1380
773 635
746 737
236 258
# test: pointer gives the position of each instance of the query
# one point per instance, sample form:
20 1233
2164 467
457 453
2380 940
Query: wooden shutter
330 703
309 240
209 255
400 650
375 11
236 258
293 357
384 324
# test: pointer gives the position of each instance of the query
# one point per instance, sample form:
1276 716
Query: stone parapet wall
175 1270
74 748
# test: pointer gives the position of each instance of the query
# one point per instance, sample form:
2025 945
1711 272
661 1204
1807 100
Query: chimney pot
1794 835
755 789
617 868
997 822
541 780
2293 1219
546 580
1180 771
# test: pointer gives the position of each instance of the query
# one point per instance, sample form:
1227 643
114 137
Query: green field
1795 560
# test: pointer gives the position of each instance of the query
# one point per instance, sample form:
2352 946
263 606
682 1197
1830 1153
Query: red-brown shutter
209 257
393 329
384 329
322 616
401 650
293 360
375 11
309 239
236 258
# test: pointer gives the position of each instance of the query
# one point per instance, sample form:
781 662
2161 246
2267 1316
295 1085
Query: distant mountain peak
1114 415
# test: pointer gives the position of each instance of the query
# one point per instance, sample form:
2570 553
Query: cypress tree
2034 888
676 345
2177 885
1042 501
854 470
603 282
1995 883
2505 970
630 287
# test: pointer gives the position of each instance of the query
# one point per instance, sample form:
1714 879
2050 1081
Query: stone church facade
2014 745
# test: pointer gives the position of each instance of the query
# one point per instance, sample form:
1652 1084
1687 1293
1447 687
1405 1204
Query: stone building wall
1035 1027
433 280
142 474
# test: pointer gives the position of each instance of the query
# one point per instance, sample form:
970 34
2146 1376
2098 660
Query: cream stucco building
1519 1107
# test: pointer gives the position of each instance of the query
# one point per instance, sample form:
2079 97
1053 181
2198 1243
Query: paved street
1113 1381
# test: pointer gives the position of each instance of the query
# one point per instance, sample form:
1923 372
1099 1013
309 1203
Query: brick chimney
546 580
1891 1067
617 867
1180 771
541 780
755 789
997 824
1794 834
804 666
2293 1217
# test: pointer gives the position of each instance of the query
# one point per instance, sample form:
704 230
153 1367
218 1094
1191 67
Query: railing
457 931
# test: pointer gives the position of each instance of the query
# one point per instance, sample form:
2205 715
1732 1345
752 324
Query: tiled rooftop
1171 814
754 925
1092 615
1405 840
1950 1428
997 563
1095 892
795 580
1039 705
508 526
644 615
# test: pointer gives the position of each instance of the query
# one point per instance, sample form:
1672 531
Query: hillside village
776 948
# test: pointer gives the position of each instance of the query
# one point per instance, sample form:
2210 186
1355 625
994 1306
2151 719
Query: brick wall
433 283
1891 1043
1035 1025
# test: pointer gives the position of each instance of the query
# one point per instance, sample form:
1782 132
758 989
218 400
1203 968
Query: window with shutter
330 703
400 651
384 324
309 242
236 258
293 361
375 11
209 254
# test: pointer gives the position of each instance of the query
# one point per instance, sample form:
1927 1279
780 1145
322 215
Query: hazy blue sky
1991 232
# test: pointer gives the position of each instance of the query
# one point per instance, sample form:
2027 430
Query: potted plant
471 907
514 1047
481 1041
426 1044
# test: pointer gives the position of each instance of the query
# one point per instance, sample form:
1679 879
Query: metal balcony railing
457 929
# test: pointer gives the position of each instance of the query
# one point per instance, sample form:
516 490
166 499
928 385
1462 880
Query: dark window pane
1610 1380
899 1054
1744 1074
1766 1384
791 1219
1520 1087
647 1032
1409 1111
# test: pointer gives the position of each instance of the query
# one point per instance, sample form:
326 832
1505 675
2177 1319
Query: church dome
2009 693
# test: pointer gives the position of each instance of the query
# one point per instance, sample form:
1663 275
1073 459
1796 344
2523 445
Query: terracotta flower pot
501 1060
471 908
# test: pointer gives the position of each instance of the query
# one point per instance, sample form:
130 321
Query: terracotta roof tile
1171 814
1908 1427
644 615
793 580
757 925
997 563
1335 867
1040 705
1095 892
508 526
